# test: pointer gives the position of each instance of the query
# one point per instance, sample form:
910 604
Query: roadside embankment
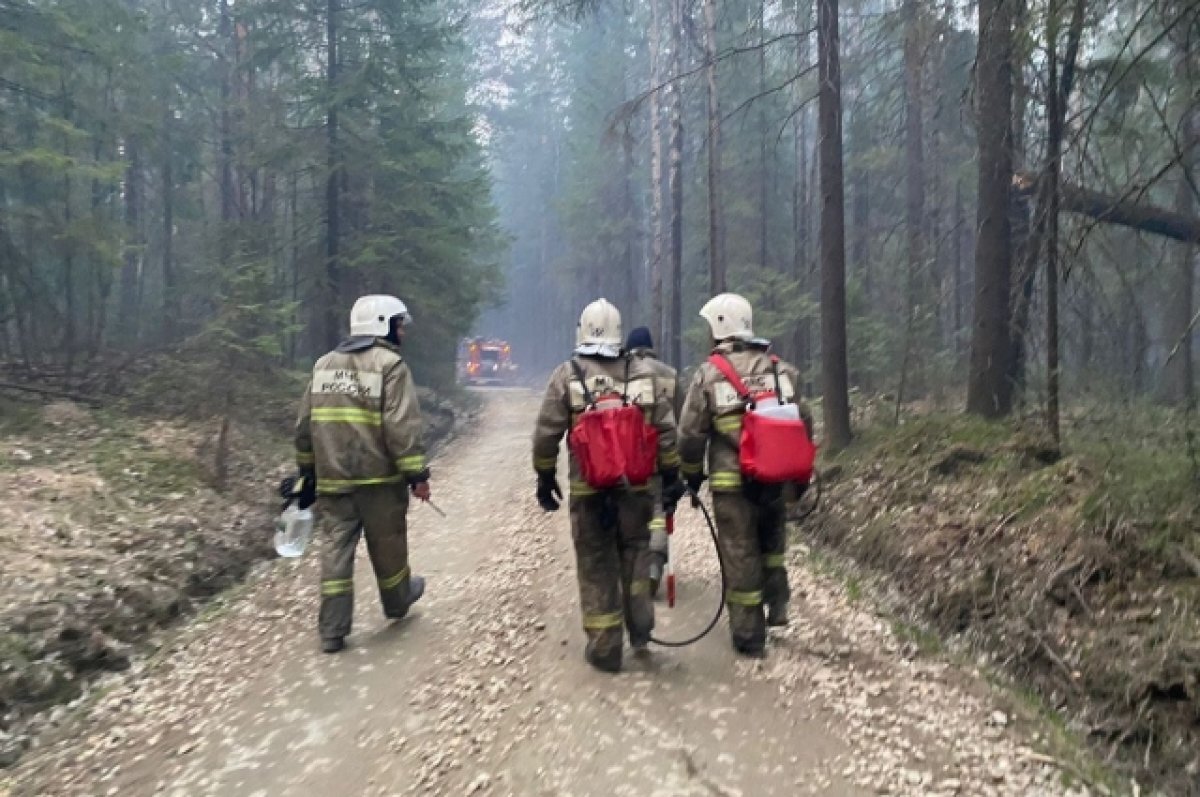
113 527
1077 573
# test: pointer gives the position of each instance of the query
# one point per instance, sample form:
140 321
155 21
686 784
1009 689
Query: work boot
639 641
607 661
332 644
752 650
416 588
777 614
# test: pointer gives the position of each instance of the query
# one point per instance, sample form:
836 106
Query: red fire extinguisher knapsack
614 446
772 450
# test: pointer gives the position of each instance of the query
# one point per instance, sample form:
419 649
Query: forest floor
1075 574
483 689
110 532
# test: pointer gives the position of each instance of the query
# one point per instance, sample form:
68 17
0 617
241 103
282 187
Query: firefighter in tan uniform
609 527
750 516
640 346
358 443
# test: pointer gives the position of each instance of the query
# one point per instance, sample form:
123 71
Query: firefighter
640 345
358 443
750 516
608 527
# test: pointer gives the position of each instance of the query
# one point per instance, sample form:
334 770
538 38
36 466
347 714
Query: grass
996 513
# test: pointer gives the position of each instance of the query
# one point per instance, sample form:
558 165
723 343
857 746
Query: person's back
352 446
749 514
358 445
608 525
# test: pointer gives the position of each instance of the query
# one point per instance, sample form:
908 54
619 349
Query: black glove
417 478
672 490
306 490
548 492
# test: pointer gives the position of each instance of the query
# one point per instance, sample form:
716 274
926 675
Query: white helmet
599 325
729 316
372 315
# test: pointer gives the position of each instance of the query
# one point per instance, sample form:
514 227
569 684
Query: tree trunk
989 391
1056 110
676 184
763 168
835 379
132 261
960 232
225 155
914 190
333 308
657 227
171 299
716 223
1179 318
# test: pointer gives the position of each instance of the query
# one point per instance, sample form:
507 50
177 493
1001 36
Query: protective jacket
668 376
564 401
712 412
360 421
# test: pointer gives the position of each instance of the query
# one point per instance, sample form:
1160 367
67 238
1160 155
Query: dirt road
483 690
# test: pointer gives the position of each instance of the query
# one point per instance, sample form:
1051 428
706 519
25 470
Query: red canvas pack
613 445
772 450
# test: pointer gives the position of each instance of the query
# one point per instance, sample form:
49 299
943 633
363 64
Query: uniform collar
363 342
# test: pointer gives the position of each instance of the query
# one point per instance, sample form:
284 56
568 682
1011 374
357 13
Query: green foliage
116 113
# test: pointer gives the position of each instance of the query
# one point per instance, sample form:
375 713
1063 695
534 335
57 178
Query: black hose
712 529
816 482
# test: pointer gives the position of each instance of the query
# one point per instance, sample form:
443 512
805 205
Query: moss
125 460
18 417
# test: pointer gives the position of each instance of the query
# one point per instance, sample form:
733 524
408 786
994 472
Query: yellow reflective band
600 622
305 458
658 524
337 586
726 480
691 468
639 587
773 560
669 460
582 488
545 463
411 464
736 598
579 488
327 486
728 424
347 415
393 581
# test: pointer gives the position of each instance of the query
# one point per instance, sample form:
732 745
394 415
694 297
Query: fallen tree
1114 209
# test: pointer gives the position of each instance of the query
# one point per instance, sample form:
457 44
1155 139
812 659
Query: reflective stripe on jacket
360 422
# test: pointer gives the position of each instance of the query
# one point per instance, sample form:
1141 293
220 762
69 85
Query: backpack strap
775 371
726 368
625 384
587 394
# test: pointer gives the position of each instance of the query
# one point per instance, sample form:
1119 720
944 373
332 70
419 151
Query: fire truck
485 361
